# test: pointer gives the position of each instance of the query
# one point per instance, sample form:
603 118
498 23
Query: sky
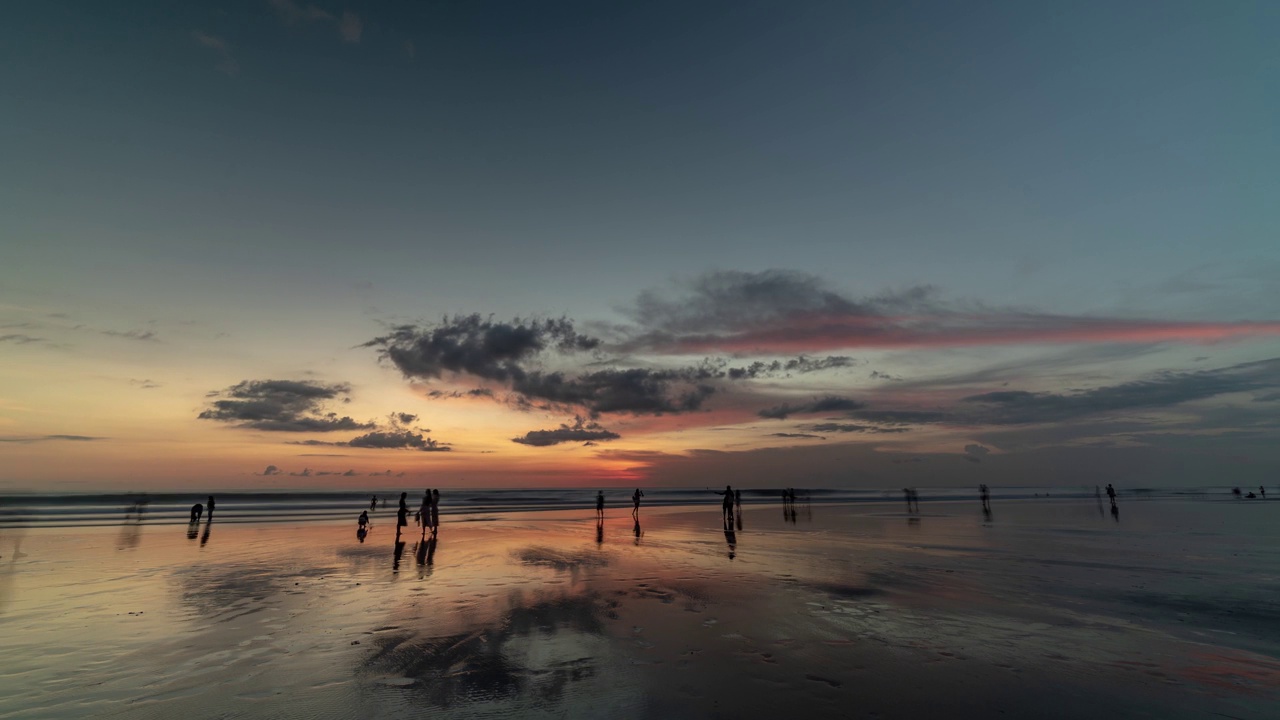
284 244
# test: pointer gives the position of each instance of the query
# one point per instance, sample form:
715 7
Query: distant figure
1236 492
913 500
384 502
424 512
402 515
435 511
209 507
737 501
1251 496
196 511
635 501
363 521
726 506
600 504
1111 494
1261 491
985 494
373 504
906 493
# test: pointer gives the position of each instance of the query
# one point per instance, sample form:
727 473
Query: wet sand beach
1047 609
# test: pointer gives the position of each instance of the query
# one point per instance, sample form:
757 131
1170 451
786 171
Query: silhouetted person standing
635 500
435 511
402 516
1263 492
424 512
373 504
1111 494
986 497
209 507
726 506
600 505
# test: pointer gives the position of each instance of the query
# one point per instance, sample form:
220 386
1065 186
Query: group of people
427 516
1262 491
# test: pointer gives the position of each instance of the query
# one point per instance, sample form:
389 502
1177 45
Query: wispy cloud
779 311
226 62
348 24
48 438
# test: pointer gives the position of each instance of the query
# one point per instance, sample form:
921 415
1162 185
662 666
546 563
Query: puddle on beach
840 611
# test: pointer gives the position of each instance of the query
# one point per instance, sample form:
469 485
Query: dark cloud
830 403
634 390
473 345
877 375
306 472
902 417
404 418
975 453
394 439
512 353
581 430
145 384
398 439
47 438
271 470
799 365
19 339
735 300
852 428
1166 389
141 335
455 394
777 311
796 435
282 406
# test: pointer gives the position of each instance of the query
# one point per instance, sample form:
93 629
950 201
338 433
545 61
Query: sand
1050 609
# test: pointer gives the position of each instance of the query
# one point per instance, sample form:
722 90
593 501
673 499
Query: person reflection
730 537
986 514
420 551
395 563
208 523
599 530
1115 512
738 516
193 529
638 532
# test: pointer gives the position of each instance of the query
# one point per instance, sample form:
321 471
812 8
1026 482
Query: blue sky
266 185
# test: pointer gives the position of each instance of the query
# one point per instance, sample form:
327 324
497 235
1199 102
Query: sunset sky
275 243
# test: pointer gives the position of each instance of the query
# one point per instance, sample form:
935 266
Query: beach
1047 608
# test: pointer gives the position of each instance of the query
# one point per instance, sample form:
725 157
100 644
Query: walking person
635 500
600 504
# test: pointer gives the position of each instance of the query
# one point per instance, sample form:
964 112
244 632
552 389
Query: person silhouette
737 501
435 511
363 521
1111 494
208 506
726 505
600 504
402 514
635 500
1262 491
373 503
196 511
424 512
